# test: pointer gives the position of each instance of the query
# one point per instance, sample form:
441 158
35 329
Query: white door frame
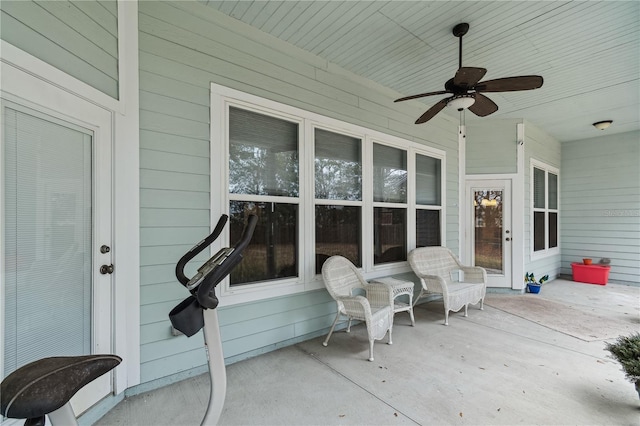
125 158
27 93
505 280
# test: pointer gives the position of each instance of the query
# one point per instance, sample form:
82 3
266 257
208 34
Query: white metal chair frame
435 266
343 280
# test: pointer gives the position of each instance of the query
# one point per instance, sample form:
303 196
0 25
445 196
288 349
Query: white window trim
547 252
221 98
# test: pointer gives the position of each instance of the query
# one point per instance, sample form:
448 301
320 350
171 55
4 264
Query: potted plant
626 350
533 286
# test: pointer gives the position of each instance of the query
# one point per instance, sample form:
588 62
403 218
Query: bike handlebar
195 250
224 262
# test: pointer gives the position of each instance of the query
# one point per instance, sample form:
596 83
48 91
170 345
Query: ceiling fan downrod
459 31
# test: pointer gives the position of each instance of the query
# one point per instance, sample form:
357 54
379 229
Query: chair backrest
438 261
341 276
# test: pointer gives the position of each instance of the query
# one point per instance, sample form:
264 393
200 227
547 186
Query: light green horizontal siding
600 204
159 141
491 147
184 47
245 328
79 38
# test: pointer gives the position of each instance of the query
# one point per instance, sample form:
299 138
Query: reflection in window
538 188
263 154
538 231
427 228
428 184
337 233
487 214
273 251
553 191
338 166
545 209
389 235
553 229
389 174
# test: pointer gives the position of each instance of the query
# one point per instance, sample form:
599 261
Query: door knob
508 239
105 249
106 269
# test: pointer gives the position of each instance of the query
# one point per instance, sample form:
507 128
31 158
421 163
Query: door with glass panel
489 230
56 204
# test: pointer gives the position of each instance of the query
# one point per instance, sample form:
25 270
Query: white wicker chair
436 266
343 281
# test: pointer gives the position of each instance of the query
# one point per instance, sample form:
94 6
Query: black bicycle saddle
43 386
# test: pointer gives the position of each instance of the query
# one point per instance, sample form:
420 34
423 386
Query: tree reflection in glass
488 230
272 253
263 154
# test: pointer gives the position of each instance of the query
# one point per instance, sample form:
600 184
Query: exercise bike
44 387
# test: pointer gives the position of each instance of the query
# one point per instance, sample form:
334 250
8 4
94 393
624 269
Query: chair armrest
474 274
433 283
379 294
357 306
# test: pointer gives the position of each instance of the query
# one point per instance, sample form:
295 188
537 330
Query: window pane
273 250
427 180
47 229
263 154
553 191
338 166
337 232
389 235
538 231
427 228
553 230
488 219
538 188
389 174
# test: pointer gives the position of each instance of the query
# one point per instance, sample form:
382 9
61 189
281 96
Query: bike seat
43 386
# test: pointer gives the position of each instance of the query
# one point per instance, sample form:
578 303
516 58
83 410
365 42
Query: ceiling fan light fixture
601 125
461 102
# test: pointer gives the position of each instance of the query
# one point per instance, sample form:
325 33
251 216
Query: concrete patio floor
491 367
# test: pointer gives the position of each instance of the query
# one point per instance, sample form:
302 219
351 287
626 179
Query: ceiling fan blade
483 106
439 92
431 112
510 84
467 77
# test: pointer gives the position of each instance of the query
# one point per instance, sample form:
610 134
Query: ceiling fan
467 88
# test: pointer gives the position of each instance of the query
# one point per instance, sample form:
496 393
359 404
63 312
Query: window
544 228
390 201
263 180
320 187
428 201
338 197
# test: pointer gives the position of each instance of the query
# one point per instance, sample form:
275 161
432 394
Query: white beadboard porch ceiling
587 51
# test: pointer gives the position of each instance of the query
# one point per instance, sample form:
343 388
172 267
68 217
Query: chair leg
390 342
446 316
482 304
415 300
335 321
466 308
349 326
413 320
370 349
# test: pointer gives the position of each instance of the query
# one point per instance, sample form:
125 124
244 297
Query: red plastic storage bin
590 274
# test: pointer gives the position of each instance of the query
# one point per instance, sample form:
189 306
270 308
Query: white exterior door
488 230
56 205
